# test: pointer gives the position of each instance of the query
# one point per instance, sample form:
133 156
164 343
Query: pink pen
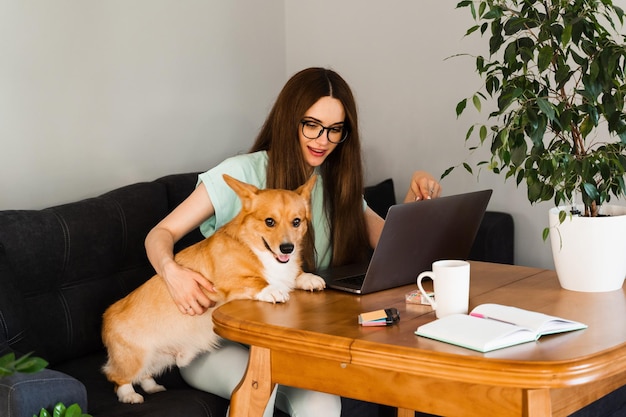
482 316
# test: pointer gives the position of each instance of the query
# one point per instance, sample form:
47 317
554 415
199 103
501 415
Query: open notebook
492 326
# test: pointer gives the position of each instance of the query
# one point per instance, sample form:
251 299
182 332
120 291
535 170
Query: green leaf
471 30
480 64
494 13
73 411
495 42
467 167
31 365
546 107
545 58
546 233
469 132
482 7
562 74
446 173
586 127
566 36
58 410
460 107
591 191
534 192
510 54
25 364
476 101
6 359
483 133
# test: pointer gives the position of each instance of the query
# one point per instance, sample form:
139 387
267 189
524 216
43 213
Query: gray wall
95 95
98 94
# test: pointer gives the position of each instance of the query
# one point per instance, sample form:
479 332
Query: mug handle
431 275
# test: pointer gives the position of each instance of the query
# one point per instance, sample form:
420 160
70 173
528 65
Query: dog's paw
150 386
271 294
310 282
126 394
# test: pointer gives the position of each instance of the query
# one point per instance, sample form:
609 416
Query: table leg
251 395
537 403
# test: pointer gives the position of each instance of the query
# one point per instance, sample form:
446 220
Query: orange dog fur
254 256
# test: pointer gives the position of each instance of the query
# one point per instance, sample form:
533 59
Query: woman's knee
304 403
218 372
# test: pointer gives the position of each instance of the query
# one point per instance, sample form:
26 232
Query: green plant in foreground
59 410
25 364
556 70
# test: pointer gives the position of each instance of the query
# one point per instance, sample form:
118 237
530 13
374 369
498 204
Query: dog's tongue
283 258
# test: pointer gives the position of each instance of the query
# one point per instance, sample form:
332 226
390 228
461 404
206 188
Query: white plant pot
590 252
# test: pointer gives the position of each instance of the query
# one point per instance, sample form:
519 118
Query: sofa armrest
380 197
495 239
27 394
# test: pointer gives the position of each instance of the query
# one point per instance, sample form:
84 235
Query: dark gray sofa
59 270
62 266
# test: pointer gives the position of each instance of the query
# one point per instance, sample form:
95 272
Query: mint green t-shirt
252 169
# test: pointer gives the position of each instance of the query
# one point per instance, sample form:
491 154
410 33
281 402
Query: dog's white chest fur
281 277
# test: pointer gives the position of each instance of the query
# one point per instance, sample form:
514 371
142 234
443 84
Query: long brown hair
342 171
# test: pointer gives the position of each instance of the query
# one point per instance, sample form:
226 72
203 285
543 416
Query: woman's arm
183 284
374 225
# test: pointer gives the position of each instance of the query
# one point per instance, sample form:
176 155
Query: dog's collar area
286 250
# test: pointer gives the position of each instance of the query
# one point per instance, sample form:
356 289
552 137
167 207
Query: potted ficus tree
555 73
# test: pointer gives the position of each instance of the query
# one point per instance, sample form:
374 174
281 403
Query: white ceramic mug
451 287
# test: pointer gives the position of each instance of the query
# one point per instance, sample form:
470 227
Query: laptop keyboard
357 281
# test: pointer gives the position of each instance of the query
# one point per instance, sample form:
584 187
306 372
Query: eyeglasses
313 130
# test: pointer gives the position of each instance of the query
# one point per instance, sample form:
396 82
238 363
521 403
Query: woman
312 128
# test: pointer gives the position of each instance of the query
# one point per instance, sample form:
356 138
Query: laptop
414 236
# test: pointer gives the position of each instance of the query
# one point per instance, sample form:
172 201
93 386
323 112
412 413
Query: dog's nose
286 248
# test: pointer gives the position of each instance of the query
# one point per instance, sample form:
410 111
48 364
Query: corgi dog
257 255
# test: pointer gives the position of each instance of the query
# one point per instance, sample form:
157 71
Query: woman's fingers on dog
190 309
201 301
196 306
206 284
187 288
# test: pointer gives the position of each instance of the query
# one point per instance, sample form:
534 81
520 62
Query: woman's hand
186 288
423 187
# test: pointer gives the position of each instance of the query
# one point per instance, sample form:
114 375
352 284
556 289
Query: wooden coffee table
313 341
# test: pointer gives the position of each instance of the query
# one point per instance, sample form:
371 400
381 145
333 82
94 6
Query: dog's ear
242 189
305 189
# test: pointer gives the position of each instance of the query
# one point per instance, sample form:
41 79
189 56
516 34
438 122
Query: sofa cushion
69 263
14 334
